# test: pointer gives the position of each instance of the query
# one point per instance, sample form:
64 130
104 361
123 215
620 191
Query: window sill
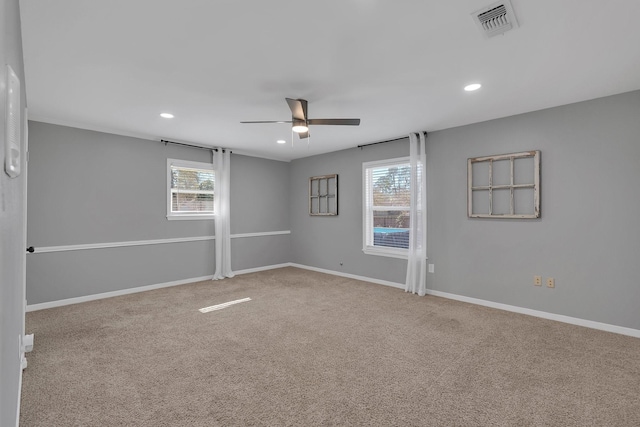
189 217
387 252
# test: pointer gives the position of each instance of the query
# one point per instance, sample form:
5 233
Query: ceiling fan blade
298 108
344 122
304 135
271 121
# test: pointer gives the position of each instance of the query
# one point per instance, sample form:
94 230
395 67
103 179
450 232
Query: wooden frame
323 195
528 192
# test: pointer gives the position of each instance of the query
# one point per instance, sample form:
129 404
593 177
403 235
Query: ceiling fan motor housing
300 120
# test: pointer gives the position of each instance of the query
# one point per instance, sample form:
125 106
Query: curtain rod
382 142
193 146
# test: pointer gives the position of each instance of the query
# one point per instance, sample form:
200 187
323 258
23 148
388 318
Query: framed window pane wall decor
323 195
504 186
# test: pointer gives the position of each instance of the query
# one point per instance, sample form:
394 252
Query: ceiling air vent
495 19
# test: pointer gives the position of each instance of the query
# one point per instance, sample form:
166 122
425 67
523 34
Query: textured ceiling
399 66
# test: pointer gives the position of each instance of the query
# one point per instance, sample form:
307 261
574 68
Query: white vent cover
495 19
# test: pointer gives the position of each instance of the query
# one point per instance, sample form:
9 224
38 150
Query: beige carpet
313 349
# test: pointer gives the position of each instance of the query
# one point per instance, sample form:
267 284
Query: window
386 188
190 189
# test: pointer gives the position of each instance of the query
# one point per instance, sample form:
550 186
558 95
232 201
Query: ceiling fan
301 122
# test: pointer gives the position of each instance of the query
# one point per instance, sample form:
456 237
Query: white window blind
387 186
191 190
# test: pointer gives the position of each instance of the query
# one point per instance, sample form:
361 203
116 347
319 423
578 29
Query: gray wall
89 187
324 242
588 237
11 229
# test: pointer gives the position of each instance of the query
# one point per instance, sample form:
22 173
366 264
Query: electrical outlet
537 280
551 283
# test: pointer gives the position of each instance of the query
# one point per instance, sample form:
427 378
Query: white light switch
431 268
12 125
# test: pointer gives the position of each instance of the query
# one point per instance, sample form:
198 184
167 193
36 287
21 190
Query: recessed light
472 87
166 115
281 141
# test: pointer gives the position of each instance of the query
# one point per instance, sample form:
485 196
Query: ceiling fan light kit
299 126
301 122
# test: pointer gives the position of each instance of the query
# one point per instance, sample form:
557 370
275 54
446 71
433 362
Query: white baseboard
349 276
542 314
86 298
515 309
266 267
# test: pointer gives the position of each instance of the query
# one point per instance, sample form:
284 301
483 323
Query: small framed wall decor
323 195
504 186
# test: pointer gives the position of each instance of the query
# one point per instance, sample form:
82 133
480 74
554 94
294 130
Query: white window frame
186 215
367 210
